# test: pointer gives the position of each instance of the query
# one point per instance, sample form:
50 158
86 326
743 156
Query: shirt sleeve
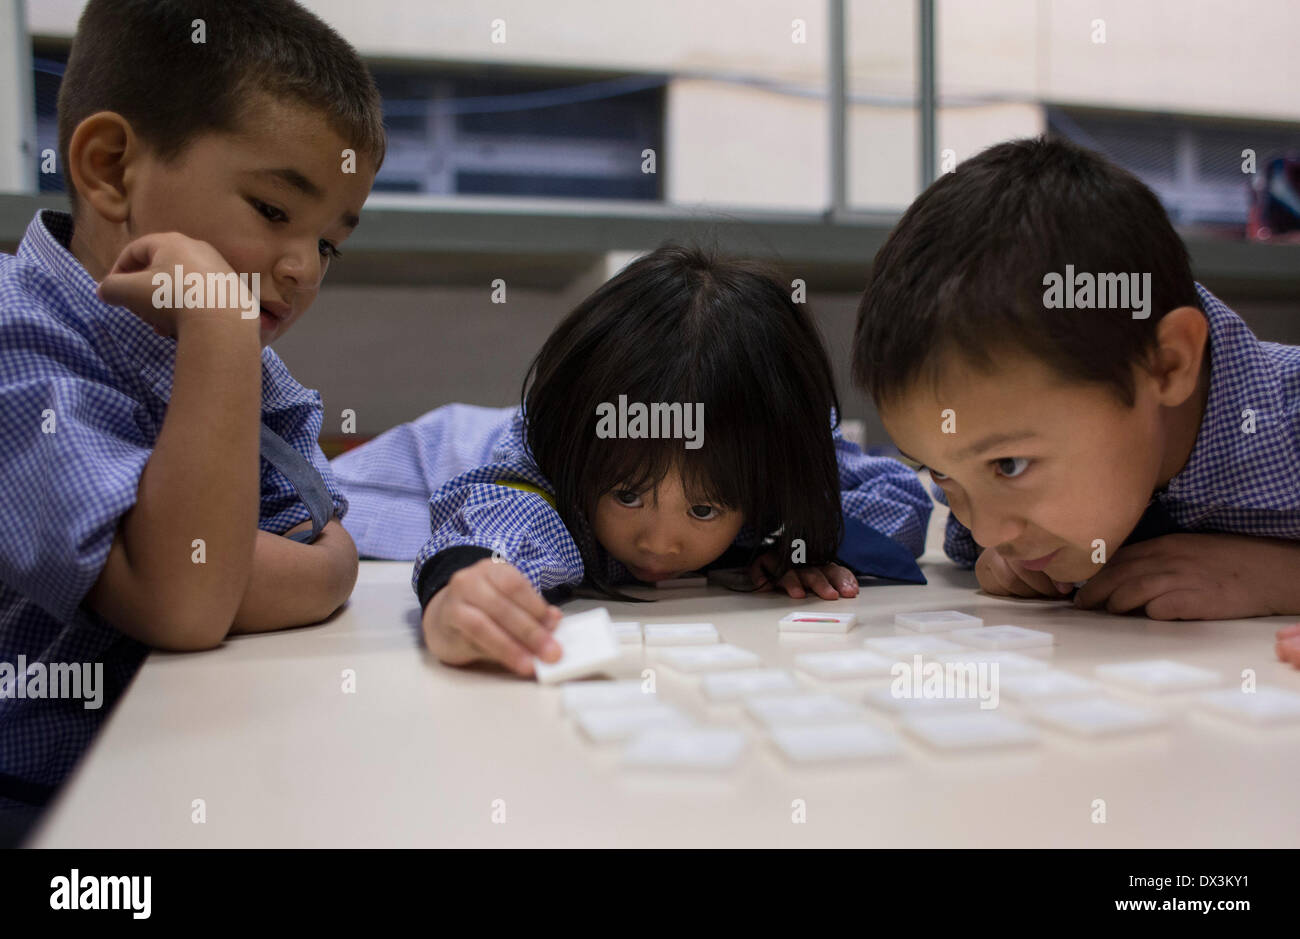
74 449
958 543
505 509
883 494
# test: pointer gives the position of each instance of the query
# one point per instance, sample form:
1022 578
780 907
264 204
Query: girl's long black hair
683 324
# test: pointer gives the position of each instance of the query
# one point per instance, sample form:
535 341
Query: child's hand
489 611
1288 644
1198 576
130 282
1003 578
829 581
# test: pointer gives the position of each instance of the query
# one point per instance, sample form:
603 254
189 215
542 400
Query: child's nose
299 266
991 525
659 541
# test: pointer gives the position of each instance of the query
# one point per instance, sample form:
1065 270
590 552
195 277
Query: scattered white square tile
886 700
1263 706
709 658
629 634
852 663
677 583
1157 676
808 622
679 634
1004 637
969 731
907 646
700 748
610 725
936 621
815 708
588 644
1008 662
728 686
1096 717
1050 684
604 694
834 742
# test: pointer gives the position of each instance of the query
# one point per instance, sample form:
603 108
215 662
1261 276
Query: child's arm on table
201 480
491 611
1199 576
293 584
494 549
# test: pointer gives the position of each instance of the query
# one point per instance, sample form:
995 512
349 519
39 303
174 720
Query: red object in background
1275 202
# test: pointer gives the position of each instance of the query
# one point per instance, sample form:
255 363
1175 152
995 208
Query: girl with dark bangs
682 416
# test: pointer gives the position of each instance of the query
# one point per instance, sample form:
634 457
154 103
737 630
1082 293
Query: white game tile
937 621
588 644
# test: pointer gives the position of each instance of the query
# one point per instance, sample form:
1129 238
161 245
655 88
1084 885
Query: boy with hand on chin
137 511
1148 449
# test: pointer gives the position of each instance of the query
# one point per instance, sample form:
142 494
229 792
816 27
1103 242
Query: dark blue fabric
866 551
1154 523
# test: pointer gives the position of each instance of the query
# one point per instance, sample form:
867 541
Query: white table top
261 730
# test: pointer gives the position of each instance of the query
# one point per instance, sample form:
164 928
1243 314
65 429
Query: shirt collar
46 243
1242 379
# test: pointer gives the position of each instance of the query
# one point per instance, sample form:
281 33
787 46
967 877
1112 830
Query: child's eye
704 513
1011 467
628 498
270 212
328 250
936 475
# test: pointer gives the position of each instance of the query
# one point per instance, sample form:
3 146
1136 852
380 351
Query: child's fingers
1288 650
789 582
120 288
1287 632
520 611
512 583
448 645
842 579
1006 580
136 256
814 580
527 630
480 629
758 574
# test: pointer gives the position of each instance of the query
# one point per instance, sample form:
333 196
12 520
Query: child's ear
1181 338
100 154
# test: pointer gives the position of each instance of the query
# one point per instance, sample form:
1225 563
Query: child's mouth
269 319
1038 564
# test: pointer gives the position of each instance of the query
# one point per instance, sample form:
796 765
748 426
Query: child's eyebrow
979 446
993 440
287 174
296 179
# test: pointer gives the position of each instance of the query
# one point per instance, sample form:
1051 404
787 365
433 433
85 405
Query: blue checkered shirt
1236 481
83 391
475 505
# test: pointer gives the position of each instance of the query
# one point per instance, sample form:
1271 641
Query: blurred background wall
519 134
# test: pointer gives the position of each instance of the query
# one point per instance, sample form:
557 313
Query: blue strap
305 479
866 551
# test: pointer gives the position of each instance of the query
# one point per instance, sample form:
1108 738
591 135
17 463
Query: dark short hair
963 271
136 57
685 325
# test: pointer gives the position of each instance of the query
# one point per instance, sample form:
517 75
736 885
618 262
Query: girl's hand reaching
828 581
489 611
